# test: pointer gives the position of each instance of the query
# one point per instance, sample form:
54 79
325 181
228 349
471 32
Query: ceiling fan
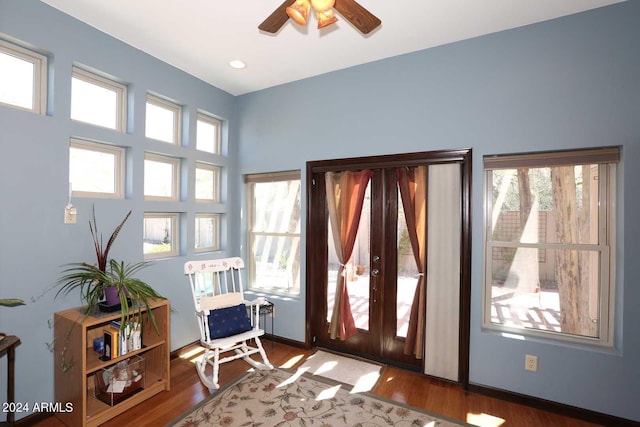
298 10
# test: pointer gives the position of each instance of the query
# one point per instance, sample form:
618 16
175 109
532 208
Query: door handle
375 273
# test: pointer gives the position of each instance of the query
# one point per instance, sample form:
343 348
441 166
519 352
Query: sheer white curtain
443 271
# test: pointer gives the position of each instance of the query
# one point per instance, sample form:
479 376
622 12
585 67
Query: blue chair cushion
228 321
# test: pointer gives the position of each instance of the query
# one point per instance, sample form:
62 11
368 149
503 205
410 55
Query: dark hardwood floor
400 385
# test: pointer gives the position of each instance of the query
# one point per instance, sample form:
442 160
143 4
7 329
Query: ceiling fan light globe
321 6
326 18
299 11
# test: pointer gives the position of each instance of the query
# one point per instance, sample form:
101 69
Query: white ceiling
202 36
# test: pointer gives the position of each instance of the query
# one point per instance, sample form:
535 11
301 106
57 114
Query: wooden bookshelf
74 332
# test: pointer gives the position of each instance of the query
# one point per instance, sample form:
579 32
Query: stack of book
119 340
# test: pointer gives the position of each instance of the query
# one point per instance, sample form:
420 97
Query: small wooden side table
267 309
8 345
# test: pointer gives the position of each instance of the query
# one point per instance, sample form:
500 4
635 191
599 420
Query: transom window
274 232
23 78
160 238
163 120
98 100
208 133
549 250
161 177
96 170
207 182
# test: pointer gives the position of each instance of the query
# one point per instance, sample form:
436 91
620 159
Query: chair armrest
258 301
254 307
202 312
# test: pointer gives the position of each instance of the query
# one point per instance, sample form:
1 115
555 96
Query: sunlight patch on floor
192 355
326 367
292 378
328 393
365 383
292 362
484 420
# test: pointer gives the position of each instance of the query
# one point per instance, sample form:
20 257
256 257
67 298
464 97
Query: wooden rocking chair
226 321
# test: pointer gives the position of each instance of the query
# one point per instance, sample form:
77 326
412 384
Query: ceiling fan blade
360 17
277 19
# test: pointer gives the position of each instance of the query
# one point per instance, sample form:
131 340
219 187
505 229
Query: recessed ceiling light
237 64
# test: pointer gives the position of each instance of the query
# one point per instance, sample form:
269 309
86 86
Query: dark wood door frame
317 259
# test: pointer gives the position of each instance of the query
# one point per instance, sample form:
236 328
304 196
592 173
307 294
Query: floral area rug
279 398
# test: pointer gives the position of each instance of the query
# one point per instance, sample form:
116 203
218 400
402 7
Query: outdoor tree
571 265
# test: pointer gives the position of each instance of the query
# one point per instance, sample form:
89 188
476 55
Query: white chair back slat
212 279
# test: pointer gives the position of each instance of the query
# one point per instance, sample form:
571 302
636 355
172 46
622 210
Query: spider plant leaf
11 302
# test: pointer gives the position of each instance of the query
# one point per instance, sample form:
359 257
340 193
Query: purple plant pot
111 295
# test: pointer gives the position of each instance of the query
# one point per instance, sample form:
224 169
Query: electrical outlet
70 215
531 363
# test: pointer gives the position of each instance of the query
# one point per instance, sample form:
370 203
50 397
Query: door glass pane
357 269
407 275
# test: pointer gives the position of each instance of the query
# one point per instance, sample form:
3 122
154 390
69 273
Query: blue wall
568 83
34 185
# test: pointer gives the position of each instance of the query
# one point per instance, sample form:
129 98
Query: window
96 170
163 120
208 134
207 232
161 177
23 78
274 232
160 239
549 241
97 100
207 183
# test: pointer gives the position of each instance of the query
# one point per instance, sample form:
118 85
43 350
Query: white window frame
174 219
265 178
174 162
216 181
108 84
216 232
39 98
208 119
119 154
176 109
606 158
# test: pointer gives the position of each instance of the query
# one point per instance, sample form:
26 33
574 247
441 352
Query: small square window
96 170
161 177
207 232
160 239
208 134
23 78
207 183
163 120
97 100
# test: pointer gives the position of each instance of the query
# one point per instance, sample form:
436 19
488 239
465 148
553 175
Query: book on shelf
108 345
119 341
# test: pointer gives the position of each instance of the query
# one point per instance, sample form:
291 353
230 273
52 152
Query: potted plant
108 276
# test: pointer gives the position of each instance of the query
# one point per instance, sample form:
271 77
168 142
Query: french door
380 275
